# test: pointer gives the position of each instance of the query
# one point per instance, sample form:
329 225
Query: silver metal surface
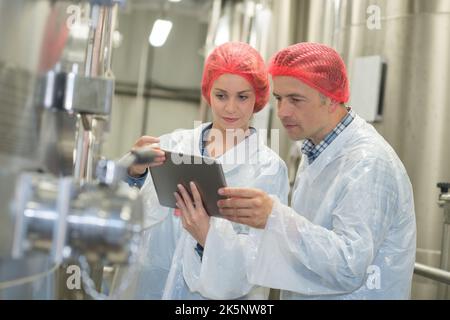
432 273
90 95
56 90
97 70
444 202
19 121
73 92
59 217
56 142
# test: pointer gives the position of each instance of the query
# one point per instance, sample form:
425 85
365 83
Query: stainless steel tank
56 89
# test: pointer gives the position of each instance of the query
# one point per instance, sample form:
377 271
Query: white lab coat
350 232
166 244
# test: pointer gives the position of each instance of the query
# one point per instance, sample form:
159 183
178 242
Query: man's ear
333 106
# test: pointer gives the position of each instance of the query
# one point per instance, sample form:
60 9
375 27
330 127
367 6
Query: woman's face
232 102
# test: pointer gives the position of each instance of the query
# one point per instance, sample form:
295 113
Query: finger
158 152
197 196
184 222
144 140
239 203
239 213
159 159
240 192
182 206
187 198
180 202
156 164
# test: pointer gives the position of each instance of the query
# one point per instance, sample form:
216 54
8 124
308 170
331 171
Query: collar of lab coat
248 147
197 136
312 170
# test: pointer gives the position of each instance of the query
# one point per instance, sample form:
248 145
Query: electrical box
367 87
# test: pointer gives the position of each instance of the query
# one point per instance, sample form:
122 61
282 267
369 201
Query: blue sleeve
199 249
136 182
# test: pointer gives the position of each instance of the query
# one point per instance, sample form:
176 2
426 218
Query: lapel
197 136
187 141
243 153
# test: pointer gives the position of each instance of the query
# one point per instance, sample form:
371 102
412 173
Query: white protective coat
166 243
350 232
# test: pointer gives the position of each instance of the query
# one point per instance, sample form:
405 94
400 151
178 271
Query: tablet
180 168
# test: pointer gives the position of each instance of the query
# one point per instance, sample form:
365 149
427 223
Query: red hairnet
317 65
240 59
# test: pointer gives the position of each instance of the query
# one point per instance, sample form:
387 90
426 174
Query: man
350 232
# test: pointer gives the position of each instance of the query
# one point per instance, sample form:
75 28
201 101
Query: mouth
230 120
289 126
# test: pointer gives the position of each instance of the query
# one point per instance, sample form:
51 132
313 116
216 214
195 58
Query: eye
296 100
277 98
243 98
220 96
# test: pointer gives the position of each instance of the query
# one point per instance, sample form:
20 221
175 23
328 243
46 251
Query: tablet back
182 169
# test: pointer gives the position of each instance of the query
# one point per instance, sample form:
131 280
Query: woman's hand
194 217
138 170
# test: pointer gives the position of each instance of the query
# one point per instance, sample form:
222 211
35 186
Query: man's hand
193 215
247 206
138 170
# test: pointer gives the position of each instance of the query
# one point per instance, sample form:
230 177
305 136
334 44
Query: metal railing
432 273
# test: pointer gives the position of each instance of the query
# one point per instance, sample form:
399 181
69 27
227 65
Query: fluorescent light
174 0
160 32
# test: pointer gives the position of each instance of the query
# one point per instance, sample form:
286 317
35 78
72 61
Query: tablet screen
180 168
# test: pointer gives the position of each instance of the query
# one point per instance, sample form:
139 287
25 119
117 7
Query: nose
284 110
230 106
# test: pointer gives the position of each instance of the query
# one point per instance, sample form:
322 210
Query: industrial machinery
61 204
441 274
444 202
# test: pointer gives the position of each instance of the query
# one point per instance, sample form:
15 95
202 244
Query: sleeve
136 182
153 212
299 256
230 249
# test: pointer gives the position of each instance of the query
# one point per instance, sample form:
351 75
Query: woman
235 84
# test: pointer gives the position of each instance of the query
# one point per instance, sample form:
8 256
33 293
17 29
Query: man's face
300 109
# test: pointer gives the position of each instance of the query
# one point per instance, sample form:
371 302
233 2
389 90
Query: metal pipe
97 64
82 154
432 273
444 201
443 290
216 12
